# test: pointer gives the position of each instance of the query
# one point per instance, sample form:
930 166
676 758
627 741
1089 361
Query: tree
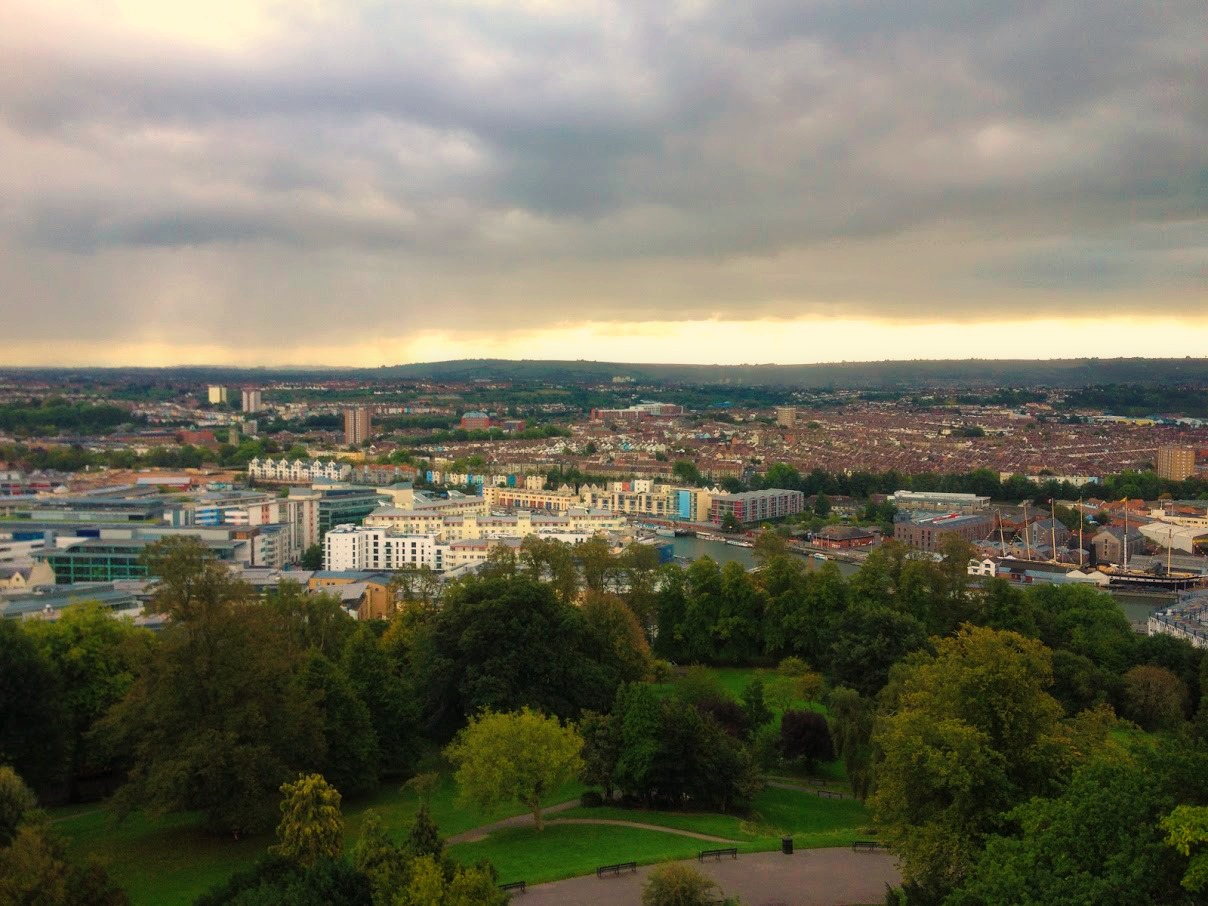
94 658
16 801
312 557
1187 829
601 748
640 716
673 884
514 757
600 568
686 473
215 721
822 506
310 621
851 731
617 635
376 681
805 736
753 703
430 884
769 544
350 750
32 717
312 825
1154 698
964 736
1096 844
424 838
379 859
730 524
505 644
639 568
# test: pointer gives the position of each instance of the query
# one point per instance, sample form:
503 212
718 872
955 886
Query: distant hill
1015 373
854 375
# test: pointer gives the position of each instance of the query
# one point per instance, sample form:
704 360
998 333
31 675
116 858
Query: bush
591 799
677 885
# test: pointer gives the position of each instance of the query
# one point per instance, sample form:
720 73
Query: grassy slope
172 860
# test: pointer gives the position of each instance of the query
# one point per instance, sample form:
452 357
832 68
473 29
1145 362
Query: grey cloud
639 161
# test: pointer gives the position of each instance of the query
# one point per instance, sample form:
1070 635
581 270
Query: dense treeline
1136 485
989 727
1140 400
49 417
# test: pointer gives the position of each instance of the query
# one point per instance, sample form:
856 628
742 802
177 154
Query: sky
300 182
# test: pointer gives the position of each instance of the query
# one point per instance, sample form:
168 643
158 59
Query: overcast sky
345 182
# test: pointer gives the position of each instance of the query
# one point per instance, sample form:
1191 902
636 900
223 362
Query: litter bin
786 845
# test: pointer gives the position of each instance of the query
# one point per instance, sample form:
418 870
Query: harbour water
693 548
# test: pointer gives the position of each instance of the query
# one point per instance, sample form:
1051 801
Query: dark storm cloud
513 163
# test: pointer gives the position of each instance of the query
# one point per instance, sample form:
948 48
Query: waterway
1136 607
694 548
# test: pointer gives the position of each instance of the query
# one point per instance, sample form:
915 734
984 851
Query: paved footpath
481 833
809 877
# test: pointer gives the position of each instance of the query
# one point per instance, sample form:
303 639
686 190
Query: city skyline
364 184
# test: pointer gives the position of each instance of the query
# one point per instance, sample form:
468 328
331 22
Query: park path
640 826
474 834
480 833
811 877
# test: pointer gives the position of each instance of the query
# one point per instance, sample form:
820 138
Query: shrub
591 799
677 885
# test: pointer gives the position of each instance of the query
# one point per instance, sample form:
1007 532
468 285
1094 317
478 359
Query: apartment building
298 471
358 426
531 499
939 502
754 506
252 402
1176 463
472 527
928 532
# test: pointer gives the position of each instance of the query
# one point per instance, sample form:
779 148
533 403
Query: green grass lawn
563 851
172 860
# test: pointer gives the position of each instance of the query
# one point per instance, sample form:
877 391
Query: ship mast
1053 526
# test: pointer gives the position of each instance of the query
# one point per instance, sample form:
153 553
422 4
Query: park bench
616 869
829 794
516 886
732 852
868 845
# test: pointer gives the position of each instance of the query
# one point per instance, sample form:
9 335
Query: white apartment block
356 547
352 547
450 527
299 471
